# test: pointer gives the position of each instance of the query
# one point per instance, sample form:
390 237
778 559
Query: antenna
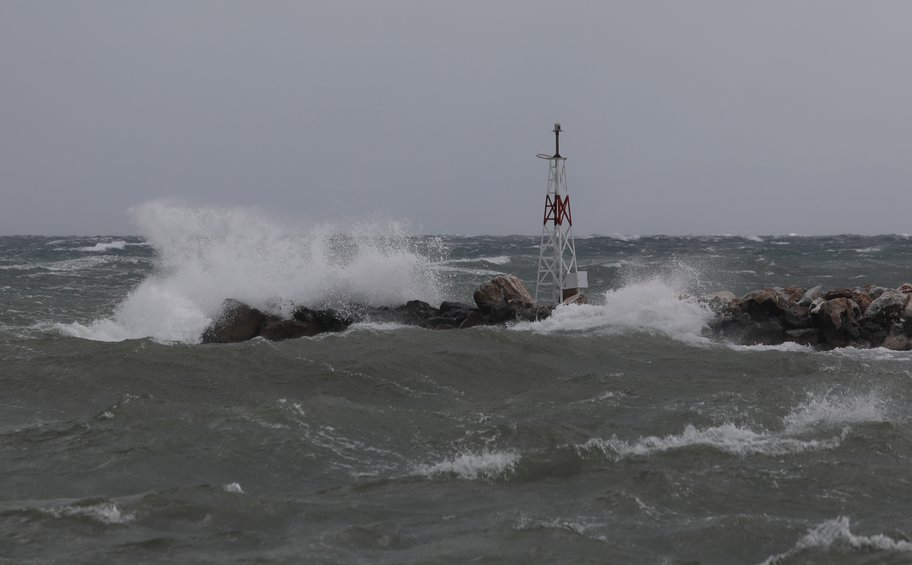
559 280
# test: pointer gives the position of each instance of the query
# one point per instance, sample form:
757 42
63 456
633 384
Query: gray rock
887 308
236 322
810 295
325 320
838 321
720 303
276 329
500 291
763 304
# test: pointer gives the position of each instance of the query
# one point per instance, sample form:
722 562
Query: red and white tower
559 281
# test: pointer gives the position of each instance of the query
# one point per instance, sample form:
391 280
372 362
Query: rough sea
613 432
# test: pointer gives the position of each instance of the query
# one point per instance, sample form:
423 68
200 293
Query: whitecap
102 247
728 438
106 513
234 488
488 465
837 534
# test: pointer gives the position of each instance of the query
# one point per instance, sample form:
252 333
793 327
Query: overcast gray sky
680 117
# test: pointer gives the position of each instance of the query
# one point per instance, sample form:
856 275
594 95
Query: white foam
104 246
834 410
755 238
654 305
106 513
70 265
206 255
578 526
838 534
234 488
487 465
785 346
499 260
623 237
728 438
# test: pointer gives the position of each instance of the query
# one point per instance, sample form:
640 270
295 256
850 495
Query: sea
611 432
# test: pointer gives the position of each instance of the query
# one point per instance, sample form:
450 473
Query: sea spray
835 409
654 305
205 255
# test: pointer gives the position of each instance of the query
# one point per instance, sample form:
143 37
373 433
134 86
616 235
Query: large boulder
721 303
506 290
838 320
741 328
810 295
236 322
763 304
887 308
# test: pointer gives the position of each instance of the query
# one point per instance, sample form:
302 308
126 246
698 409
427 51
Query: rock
502 290
763 304
236 322
325 320
276 329
887 308
905 288
741 328
475 318
441 323
837 319
721 303
793 293
446 307
810 295
796 316
807 336
838 293
451 315
414 312
897 340
872 332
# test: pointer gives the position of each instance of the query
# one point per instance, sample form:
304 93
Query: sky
696 117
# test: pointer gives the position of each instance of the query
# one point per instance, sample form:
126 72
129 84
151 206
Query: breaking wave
105 512
655 305
835 409
206 255
487 465
727 438
837 535
827 414
102 247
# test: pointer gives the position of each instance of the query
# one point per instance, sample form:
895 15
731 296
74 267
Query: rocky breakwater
863 317
502 300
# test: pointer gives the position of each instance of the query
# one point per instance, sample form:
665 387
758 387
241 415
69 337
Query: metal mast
558 278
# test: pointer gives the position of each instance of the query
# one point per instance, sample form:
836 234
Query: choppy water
610 433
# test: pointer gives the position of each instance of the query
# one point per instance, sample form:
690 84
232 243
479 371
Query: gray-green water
611 433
